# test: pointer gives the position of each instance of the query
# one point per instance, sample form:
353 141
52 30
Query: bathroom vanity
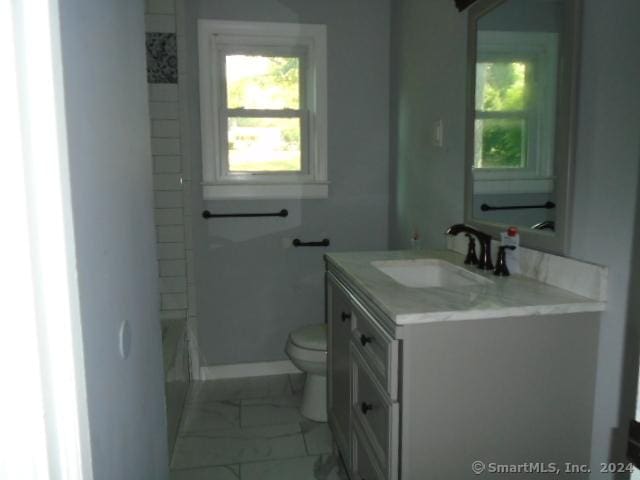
433 366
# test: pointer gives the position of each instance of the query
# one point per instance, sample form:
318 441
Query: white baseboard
242 370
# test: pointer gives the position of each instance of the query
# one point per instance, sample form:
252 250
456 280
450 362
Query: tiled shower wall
171 167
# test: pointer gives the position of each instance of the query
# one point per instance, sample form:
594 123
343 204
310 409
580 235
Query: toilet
307 349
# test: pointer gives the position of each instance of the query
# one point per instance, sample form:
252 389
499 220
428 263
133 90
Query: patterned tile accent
162 58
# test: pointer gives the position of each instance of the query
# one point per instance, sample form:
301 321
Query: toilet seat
311 337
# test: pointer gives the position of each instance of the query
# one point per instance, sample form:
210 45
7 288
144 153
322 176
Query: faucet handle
501 262
471 258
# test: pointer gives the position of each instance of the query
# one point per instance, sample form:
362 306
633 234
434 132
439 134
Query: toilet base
314 398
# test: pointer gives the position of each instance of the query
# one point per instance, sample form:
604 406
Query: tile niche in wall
162 58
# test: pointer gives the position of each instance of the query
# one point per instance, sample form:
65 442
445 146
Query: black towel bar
282 213
485 208
298 243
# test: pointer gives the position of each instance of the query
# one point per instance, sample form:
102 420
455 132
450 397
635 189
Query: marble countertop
512 296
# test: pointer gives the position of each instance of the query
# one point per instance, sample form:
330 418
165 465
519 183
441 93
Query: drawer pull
365 407
364 339
346 316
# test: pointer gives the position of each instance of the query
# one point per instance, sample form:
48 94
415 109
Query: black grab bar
282 213
298 243
485 208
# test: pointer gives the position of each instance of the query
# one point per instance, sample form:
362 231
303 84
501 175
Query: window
503 108
515 117
263 110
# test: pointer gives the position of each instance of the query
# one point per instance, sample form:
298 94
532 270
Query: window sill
253 191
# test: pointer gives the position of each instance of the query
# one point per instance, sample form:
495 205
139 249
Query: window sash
300 175
530 78
531 164
297 52
524 148
225 113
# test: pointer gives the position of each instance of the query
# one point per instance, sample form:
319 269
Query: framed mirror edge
557 242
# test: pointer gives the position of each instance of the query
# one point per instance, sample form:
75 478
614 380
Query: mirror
522 94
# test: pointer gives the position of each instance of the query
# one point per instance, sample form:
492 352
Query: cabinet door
339 398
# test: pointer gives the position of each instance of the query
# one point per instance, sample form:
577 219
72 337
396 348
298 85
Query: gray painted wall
252 287
428 84
606 180
110 170
428 182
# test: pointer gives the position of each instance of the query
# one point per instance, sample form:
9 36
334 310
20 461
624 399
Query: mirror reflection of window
515 105
502 110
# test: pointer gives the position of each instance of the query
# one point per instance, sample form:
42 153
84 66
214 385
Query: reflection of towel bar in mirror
282 213
548 205
298 243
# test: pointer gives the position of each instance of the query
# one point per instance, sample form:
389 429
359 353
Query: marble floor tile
238 445
227 472
199 417
325 467
271 411
317 437
239 388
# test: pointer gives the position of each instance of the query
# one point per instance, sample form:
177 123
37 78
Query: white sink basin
428 273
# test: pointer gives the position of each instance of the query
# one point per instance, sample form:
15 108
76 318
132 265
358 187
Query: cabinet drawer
364 465
375 412
377 347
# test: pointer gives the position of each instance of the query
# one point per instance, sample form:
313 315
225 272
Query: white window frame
218 38
540 49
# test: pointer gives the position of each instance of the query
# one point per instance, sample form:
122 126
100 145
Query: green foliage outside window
504 87
502 143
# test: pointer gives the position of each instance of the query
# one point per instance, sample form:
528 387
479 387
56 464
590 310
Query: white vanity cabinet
426 400
362 386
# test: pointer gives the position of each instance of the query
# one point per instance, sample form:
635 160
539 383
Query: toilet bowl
307 349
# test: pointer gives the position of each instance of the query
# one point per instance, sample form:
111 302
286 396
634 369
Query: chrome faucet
484 262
